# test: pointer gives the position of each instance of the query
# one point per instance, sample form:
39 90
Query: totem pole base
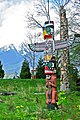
51 106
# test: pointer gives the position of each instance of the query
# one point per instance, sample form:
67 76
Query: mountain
11 59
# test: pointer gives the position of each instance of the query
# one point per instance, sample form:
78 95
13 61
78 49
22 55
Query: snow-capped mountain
12 57
7 47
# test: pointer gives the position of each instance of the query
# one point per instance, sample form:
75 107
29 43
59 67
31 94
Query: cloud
5 4
12 29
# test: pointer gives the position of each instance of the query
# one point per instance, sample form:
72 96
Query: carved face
48 77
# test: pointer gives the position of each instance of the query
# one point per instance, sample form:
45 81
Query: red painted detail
48 36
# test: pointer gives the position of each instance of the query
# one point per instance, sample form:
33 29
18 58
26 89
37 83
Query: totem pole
50 65
64 81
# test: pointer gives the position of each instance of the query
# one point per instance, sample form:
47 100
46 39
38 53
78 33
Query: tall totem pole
64 81
50 65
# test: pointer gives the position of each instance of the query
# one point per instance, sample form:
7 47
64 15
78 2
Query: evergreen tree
1 71
75 55
40 69
25 70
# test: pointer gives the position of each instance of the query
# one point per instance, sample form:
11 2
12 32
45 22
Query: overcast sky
12 21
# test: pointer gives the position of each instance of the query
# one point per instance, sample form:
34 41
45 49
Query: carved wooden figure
51 93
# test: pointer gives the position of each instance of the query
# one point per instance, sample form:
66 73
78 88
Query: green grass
29 104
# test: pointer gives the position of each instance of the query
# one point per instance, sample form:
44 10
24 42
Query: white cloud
12 29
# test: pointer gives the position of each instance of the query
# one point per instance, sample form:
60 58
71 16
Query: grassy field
28 102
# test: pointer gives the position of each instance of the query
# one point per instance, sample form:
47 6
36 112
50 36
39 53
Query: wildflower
21 106
17 106
78 106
